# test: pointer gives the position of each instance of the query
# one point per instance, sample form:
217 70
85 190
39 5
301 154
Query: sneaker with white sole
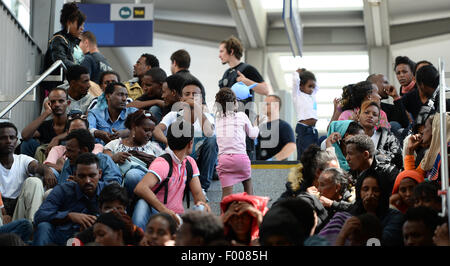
204 193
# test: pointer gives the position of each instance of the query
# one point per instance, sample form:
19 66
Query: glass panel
24 17
21 10
336 80
325 109
328 95
339 79
316 63
8 3
310 5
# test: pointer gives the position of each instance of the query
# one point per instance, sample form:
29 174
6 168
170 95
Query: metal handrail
55 65
445 196
443 132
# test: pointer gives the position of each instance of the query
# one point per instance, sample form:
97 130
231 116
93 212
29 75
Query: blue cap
241 90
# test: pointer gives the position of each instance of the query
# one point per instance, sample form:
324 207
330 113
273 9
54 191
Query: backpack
165 183
230 76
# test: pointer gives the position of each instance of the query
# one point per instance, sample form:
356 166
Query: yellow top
134 90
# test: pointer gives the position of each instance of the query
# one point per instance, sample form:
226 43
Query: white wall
426 49
205 62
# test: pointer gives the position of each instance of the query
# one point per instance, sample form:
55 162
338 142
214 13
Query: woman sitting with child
135 153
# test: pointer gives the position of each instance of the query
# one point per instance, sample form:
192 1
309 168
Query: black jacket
60 47
388 150
385 170
396 112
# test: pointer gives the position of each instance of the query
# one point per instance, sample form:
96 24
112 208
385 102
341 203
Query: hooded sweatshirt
341 127
260 203
418 177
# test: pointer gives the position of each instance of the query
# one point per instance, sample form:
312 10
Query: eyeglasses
77 116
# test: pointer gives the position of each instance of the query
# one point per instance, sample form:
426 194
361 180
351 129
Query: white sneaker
204 193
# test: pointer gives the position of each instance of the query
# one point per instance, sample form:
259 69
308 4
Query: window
333 71
21 10
316 5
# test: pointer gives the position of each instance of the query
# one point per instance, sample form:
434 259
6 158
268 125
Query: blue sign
125 12
293 26
119 25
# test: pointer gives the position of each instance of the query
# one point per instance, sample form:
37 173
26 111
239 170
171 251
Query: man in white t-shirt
21 194
205 145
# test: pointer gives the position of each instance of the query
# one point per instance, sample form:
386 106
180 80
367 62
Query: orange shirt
410 164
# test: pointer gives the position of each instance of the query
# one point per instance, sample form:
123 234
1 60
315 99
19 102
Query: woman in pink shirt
231 129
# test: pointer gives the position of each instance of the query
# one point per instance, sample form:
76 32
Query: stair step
268 180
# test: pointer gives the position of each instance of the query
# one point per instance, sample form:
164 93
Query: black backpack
228 80
165 183
230 76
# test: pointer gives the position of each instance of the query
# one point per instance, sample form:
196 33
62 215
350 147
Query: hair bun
72 6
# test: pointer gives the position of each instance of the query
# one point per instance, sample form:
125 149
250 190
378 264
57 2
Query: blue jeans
205 154
306 135
131 179
21 227
156 112
28 147
142 213
47 234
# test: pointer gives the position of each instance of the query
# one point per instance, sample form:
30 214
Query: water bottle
198 207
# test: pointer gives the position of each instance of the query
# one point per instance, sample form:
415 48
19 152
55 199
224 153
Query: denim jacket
63 199
110 170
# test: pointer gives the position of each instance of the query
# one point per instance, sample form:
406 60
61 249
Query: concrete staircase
268 180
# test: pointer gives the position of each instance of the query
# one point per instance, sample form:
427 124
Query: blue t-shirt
273 136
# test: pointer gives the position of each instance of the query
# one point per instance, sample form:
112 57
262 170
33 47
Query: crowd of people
115 163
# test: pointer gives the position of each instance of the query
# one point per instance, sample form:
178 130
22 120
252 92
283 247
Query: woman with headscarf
403 192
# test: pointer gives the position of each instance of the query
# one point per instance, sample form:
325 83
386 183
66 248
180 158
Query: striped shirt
334 226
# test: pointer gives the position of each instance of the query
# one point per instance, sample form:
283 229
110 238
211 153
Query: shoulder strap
165 183
58 35
242 67
189 174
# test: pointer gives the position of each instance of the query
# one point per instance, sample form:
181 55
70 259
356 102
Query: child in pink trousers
231 129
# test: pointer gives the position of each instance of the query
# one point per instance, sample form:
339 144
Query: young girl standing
304 91
231 129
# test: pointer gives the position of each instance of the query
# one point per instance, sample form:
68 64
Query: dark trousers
306 135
